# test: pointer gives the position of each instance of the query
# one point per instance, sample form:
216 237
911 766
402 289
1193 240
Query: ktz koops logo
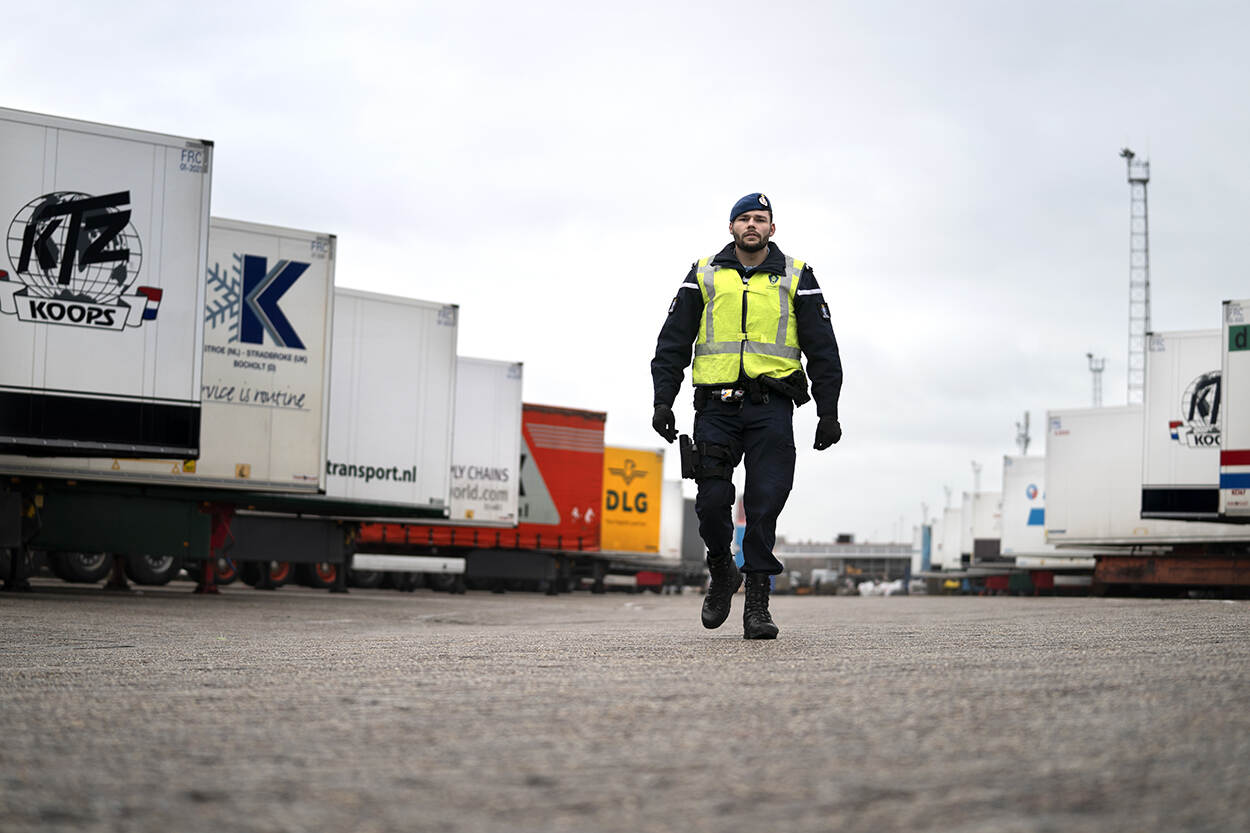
1200 412
76 258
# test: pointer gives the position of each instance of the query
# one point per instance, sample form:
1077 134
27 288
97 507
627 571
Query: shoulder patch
824 311
673 306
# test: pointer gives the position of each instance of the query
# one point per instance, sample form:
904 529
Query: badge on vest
773 279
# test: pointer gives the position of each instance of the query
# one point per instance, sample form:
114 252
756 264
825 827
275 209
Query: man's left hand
828 432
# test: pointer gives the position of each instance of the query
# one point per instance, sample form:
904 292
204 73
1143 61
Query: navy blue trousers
763 433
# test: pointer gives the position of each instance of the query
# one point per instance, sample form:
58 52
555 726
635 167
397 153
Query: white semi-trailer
486 448
1093 499
101 293
1183 419
1234 473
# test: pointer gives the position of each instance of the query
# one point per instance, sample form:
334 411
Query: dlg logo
76 258
245 299
621 500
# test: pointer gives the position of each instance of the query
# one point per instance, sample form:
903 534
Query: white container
1235 370
1093 484
672 522
102 288
486 449
947 554
266 370
935 544
1024 519
981 519
392 397
1183 415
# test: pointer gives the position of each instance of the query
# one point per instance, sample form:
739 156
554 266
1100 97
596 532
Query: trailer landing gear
117 582
207 585
17 581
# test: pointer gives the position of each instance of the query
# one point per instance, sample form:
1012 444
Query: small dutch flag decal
154 300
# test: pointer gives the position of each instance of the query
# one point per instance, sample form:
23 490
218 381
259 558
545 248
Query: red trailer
561 497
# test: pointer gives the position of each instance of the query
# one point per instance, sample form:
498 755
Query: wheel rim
89 560
159 563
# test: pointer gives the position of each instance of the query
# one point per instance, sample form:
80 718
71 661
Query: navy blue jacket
675 346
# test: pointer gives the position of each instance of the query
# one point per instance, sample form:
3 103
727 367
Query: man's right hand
664 423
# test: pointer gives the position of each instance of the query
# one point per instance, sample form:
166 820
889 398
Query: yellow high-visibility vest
763 342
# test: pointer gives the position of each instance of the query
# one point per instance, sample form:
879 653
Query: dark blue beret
751 202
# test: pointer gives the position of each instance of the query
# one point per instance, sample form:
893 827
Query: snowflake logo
223 305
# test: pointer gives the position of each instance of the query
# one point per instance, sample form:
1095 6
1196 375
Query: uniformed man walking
750 311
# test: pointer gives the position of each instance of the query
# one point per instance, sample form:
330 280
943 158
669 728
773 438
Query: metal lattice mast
1096 367
1138 274
1022 434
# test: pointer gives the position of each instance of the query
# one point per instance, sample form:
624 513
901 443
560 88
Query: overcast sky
950 169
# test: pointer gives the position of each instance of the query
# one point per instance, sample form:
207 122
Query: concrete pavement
298 710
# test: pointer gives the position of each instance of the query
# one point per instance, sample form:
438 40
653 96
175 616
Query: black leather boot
726 579
756 622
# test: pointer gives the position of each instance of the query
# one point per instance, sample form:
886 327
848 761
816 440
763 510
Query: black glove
828 432
664 423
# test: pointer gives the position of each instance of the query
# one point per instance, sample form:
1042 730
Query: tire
441 582
365 579
321 575
403 582
280 572
153 570
81 567
227 571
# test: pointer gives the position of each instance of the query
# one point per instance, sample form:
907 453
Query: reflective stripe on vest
771 353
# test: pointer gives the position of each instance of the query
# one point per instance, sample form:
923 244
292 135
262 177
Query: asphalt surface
297 710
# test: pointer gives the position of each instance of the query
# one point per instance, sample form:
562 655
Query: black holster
689 457
793 387
704 460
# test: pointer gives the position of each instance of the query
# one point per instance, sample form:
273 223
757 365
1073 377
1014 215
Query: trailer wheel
366 579
153 570
81 567
321 575
227 571
403 582
442 582
280 572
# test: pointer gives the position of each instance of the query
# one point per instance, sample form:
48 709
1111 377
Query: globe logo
72 246
76 259
1200 412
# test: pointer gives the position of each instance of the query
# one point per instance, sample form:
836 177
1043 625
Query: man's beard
751 247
